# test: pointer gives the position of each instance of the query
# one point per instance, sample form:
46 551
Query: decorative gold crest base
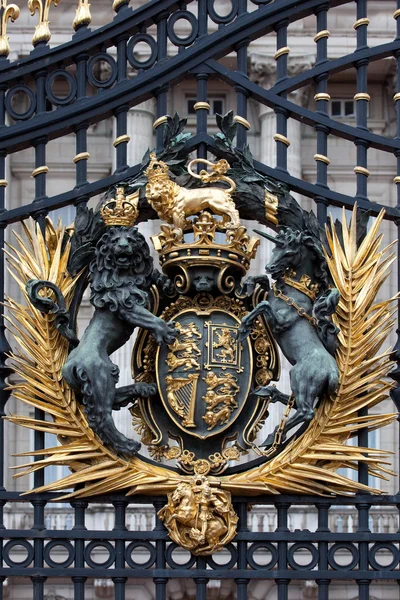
199 516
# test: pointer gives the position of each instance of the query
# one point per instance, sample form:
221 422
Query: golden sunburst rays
309 464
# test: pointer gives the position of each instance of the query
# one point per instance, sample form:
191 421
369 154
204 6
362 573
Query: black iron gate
255 554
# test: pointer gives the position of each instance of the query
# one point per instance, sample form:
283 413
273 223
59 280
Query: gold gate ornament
199 516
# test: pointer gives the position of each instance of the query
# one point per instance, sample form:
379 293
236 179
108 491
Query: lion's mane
113 288
165 200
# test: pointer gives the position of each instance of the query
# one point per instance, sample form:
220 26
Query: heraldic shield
201 376
205 380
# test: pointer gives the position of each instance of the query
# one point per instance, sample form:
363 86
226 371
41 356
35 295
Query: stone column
140 130
297 65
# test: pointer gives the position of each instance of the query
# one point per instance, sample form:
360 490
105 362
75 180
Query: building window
217 105
342 108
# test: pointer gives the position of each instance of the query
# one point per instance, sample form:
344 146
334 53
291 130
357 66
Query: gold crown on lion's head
121 210
157 169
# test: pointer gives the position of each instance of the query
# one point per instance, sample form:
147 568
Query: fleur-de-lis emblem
7 12
42 32
83 16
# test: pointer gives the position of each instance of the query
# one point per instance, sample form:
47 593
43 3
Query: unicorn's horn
269 237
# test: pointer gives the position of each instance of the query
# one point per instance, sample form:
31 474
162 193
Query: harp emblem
200 375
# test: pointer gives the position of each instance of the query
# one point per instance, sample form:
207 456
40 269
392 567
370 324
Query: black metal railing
285 555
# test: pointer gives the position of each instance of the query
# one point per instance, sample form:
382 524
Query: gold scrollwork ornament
199 516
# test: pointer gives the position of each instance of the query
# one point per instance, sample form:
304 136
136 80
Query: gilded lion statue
174 203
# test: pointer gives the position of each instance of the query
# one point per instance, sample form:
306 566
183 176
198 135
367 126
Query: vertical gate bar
242 583
120 525
201 111
202 17
361 24
38 512
39 436
362 173
322 101
398 531
39 174
323 527
160 582
38 547
361 99
363 527
5 371
5 348
82 156
282 583
162 93
122 139
281 57
241 93
2 527
201 582
395 373
79 507
121 113
41 169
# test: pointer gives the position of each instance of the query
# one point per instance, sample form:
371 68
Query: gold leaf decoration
42 31
117 3
83 15
307 464
38 365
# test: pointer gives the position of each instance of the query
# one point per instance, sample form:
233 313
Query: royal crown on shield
203 229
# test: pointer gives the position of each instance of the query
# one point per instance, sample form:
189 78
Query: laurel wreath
308 464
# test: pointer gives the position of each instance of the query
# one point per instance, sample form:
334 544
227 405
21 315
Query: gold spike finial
42 32
83 16
118 3
7 12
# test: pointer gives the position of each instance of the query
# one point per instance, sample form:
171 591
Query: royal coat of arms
206 361
205 377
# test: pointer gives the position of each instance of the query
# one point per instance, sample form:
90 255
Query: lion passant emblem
174 204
